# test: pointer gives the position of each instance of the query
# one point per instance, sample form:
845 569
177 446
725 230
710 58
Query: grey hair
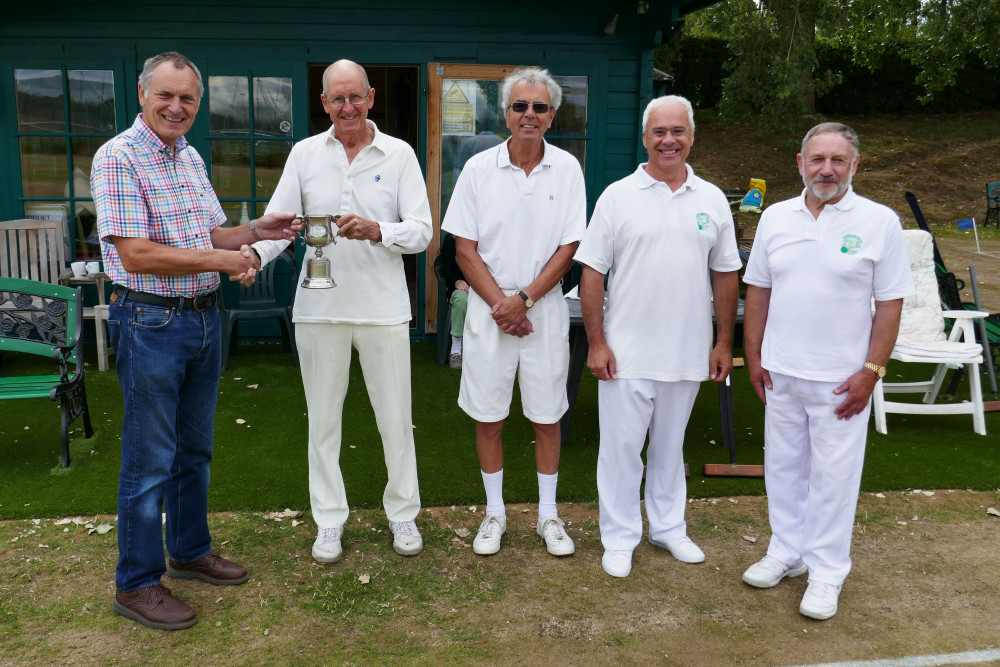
531 76
175 59
658 102
839 128
344 61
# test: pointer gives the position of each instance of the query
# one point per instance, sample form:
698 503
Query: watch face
881 371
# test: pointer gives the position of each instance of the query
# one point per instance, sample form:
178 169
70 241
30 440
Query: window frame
13 198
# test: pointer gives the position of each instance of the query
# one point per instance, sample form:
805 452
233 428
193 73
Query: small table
579 347
98 313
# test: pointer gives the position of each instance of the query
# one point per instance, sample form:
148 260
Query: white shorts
492 358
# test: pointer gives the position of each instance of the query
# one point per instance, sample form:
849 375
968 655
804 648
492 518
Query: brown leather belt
197 303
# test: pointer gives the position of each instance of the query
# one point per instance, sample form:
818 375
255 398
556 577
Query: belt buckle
202 303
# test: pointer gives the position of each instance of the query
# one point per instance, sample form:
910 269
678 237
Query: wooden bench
45 320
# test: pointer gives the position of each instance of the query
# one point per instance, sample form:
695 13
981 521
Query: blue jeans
168 366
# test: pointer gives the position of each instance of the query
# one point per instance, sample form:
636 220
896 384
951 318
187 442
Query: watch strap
879 371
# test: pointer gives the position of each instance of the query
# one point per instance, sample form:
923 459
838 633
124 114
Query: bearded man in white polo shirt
665 239
518 212
814 353
373 182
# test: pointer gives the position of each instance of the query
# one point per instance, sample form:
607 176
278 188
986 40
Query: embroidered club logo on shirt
850 244
703 220
378 177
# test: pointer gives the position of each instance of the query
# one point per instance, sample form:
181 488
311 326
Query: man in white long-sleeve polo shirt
373 182
517 213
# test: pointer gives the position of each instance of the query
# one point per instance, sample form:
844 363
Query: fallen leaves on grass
993 511
364 579
284 514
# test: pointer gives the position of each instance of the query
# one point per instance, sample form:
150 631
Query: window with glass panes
63 117
251 134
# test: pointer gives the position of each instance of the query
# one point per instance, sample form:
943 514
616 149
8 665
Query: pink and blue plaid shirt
144 189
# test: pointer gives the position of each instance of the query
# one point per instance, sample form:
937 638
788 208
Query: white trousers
325 359
628 408
812 473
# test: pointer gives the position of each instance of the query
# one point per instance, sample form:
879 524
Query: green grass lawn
261 463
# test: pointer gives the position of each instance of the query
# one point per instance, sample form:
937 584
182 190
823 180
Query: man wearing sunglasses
665 237
517 214
373 182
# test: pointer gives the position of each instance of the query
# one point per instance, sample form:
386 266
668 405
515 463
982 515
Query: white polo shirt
384 184
518 220
823 273
657 247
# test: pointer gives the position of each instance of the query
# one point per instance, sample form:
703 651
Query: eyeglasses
662 132
339 102
537 107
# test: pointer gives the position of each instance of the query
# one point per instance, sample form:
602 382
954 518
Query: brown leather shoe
213 568
155 607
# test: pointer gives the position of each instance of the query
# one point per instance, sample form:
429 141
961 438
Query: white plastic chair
922 339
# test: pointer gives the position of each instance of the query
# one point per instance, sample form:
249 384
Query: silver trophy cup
319 231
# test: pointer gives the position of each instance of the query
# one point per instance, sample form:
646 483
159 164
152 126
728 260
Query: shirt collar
150 138
503 155
379 141
647 181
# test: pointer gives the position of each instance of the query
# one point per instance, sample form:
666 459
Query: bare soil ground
924 582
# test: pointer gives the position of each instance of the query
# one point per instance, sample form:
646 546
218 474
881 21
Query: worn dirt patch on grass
923 582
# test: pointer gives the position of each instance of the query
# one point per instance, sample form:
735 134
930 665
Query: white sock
456 345
547 496
493 482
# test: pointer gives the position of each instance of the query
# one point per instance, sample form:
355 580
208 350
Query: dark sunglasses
537 107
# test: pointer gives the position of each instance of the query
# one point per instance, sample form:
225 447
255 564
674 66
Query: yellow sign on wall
458 113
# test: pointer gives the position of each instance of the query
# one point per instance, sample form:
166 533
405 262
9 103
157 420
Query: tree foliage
772 69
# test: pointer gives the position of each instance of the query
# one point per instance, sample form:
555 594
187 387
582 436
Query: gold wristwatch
879 371
528 301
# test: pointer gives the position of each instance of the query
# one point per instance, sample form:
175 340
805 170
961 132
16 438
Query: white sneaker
617 563
455 361
557 542
820 601
406 538
326 548
768 572
487 541
682 548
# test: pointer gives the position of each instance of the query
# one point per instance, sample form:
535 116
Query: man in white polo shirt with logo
518 212
665 239
814 353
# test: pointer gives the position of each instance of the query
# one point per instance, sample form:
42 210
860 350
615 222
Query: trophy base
319 283
318 274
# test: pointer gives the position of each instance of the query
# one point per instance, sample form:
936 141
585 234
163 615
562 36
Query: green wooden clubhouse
68 75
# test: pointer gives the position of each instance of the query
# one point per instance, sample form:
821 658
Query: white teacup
93 267
79 269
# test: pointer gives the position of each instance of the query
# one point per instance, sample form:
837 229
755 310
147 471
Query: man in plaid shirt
163 246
